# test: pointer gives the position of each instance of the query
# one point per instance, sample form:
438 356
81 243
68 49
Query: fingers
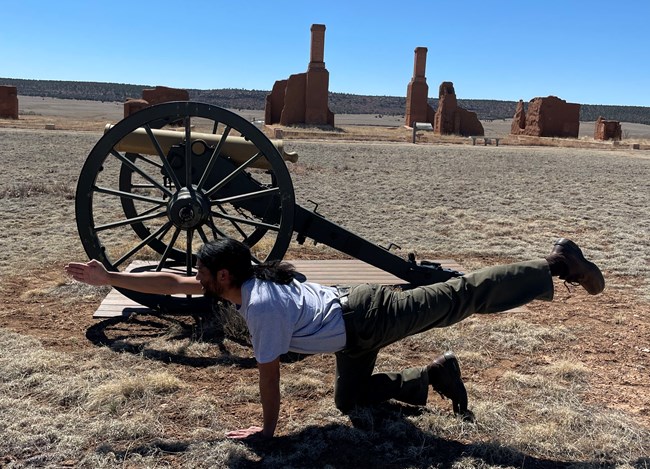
76 270
245 433
87 272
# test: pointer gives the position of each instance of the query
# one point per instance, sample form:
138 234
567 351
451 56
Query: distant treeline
340 103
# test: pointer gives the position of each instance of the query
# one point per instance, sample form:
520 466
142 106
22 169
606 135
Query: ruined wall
275 102
157 95
417 92
303 98
450 119
607 130
519 121
8 102
547 117
293 111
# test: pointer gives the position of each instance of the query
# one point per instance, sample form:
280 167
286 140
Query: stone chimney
317 58
417 107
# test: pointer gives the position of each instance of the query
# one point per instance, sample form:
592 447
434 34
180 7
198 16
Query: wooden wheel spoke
213 157
133 167
188 253
148 160
163 158
128 195
234 224
188 151
247 196
160 231
202 235
216 232
234 174
130 221
168 249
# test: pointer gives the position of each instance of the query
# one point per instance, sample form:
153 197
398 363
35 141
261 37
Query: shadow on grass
134 335
381 437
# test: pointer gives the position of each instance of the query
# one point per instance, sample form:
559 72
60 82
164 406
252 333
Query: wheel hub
188 209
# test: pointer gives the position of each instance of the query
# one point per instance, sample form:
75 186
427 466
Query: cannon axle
189 209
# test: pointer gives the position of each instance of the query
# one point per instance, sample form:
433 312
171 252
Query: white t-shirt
297 317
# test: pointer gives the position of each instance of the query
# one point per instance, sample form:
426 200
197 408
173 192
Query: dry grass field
565 384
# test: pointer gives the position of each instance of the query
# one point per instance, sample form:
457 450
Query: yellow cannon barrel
237 148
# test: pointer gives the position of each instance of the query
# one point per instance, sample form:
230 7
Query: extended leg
382 316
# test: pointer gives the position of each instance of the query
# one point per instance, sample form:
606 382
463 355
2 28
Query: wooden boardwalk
326 272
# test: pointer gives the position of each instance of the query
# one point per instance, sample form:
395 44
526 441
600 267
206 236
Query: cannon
174 175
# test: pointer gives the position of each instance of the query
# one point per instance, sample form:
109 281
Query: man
284 315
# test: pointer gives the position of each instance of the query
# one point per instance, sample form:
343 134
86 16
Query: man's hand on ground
246 433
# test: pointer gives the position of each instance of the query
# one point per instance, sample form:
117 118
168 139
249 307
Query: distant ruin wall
157 95
547 117
303 98
607 130
450 119
8 102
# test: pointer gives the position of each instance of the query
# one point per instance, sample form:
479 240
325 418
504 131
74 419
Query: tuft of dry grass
116 393
31 189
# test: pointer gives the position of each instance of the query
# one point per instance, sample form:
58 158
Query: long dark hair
235 257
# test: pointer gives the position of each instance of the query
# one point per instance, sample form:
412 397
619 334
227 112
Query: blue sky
589 52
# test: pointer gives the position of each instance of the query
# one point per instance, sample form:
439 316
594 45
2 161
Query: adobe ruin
303 97
547 117
8 102
451 119
417 92
607 130
157 95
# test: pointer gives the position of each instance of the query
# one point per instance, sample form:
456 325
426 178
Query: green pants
380 315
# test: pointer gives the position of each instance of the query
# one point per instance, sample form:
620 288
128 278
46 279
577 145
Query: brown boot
444 377
567 259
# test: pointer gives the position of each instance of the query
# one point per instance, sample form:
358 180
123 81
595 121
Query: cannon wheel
132 206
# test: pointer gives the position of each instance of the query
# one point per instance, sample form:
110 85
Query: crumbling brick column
417 92
8 102
451 119
519 121
317 85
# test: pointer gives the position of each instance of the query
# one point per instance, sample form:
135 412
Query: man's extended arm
270 397
94 273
